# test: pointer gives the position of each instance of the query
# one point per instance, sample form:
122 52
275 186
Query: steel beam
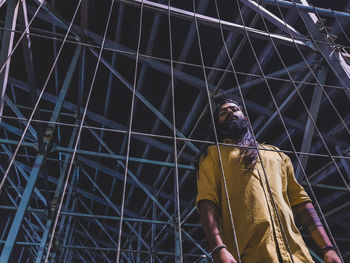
283 106
184 52
330 53
279 73
273 18
54 200
20 115
39 162
113 206
29 65
343 162
101 119
128 52
6 47
112 172
306 8
123 158
93 241
15 130
145 101
16 224
210 21
309 128
140 185
295 124
24 174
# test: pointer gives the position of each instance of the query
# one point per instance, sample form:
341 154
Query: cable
347 186
311 118
216 138
174 61
78 138
250 127
177 213
170 138
183 63
129 132
334 71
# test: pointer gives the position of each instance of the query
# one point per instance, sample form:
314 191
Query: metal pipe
312 9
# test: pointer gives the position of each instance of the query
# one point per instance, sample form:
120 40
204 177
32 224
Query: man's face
229 112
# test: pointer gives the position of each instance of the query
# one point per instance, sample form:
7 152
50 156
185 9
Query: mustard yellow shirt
258 231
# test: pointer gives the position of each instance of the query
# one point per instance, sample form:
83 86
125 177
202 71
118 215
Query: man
262 198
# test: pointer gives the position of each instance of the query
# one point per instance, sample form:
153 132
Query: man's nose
229 113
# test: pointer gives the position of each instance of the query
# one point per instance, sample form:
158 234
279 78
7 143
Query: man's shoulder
275 149
212 151
269 146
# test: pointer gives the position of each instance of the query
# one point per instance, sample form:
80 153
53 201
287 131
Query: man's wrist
216 249
328 248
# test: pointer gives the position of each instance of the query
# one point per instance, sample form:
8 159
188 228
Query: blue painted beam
16 131
39 161
20 115
113 206
292 95
70 225
93 241
122 157
311 9
102 120
294 124
14 202
125 51
165 101
310 128
55 114
246 85
17 221
6 48
93 216
214 22
145 101
140 185
24 174
30 68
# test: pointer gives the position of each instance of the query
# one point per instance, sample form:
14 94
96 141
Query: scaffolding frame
35 181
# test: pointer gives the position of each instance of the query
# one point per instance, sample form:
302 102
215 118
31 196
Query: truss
104 111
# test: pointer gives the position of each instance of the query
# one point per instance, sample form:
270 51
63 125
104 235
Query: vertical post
153 231
29 64
309 129
343 162
6 47
139 244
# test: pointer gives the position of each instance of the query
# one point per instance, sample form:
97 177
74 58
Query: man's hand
223 256
331 257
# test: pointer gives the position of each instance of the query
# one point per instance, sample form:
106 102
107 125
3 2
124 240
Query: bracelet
327 248
217 248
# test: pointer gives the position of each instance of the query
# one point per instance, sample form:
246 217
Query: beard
232 129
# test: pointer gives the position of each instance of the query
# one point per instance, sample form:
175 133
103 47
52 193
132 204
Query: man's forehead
228 105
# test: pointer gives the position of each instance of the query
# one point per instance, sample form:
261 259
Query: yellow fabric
256 224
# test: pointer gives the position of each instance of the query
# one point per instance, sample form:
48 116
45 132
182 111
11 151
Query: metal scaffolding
104 112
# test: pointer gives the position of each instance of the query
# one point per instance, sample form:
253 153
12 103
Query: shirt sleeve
208 185
296 193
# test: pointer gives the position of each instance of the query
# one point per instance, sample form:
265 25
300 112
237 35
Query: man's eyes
226 109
